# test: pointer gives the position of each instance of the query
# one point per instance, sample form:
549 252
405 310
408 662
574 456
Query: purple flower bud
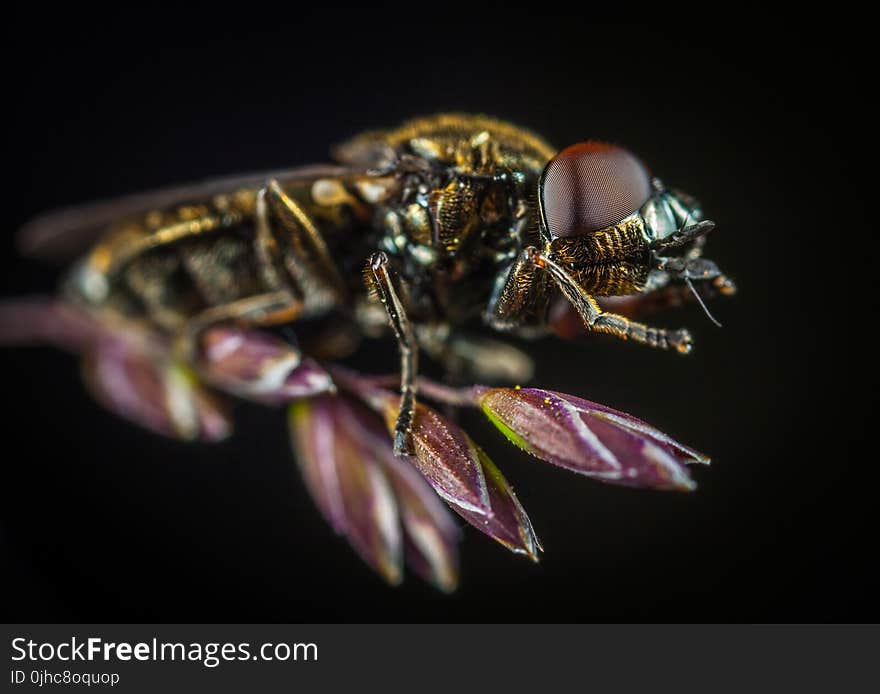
589 438
448 458
46 320
153 392
348 483
462 473
506 521
256 365
431 536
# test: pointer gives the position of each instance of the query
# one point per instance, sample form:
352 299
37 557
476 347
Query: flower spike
588 438
456 467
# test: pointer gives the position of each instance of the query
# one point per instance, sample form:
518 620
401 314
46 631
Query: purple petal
442 450
312 434
304 381
670 445
448 459
348 483
431 535
643 463
155 393
257 365
507 521
46 320
588 438
458 470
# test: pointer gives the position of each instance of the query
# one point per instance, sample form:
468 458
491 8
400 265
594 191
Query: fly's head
594 187
617 231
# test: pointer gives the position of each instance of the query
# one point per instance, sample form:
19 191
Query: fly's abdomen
169 285
175 284
168 266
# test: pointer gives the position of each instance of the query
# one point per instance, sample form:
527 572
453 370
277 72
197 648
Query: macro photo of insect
449 232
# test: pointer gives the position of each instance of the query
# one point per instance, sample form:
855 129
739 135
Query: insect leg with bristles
303 250
597 320
383 279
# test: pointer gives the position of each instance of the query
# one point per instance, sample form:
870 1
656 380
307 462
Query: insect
434 231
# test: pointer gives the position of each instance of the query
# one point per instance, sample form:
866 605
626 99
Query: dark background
103 522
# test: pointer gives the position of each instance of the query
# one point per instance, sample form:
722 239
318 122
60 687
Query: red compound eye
590 186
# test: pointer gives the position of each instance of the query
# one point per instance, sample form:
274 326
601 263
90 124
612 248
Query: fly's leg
656 300
520 296
273 266
594 318
295 264
283 304
690 269
262 310
300 247
611 323
660 294
691 265
383 279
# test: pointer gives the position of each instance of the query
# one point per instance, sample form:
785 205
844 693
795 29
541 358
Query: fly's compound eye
590 186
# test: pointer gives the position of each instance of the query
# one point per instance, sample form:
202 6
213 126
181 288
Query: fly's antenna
691 284
701 302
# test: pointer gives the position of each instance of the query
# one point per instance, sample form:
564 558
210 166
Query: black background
102 521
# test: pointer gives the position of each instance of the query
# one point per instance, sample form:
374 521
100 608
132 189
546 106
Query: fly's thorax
465 182
451 139
465 203
449 233
454 221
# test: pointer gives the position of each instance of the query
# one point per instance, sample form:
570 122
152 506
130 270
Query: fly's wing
65 233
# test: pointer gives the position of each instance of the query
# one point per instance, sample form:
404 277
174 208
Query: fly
434 231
